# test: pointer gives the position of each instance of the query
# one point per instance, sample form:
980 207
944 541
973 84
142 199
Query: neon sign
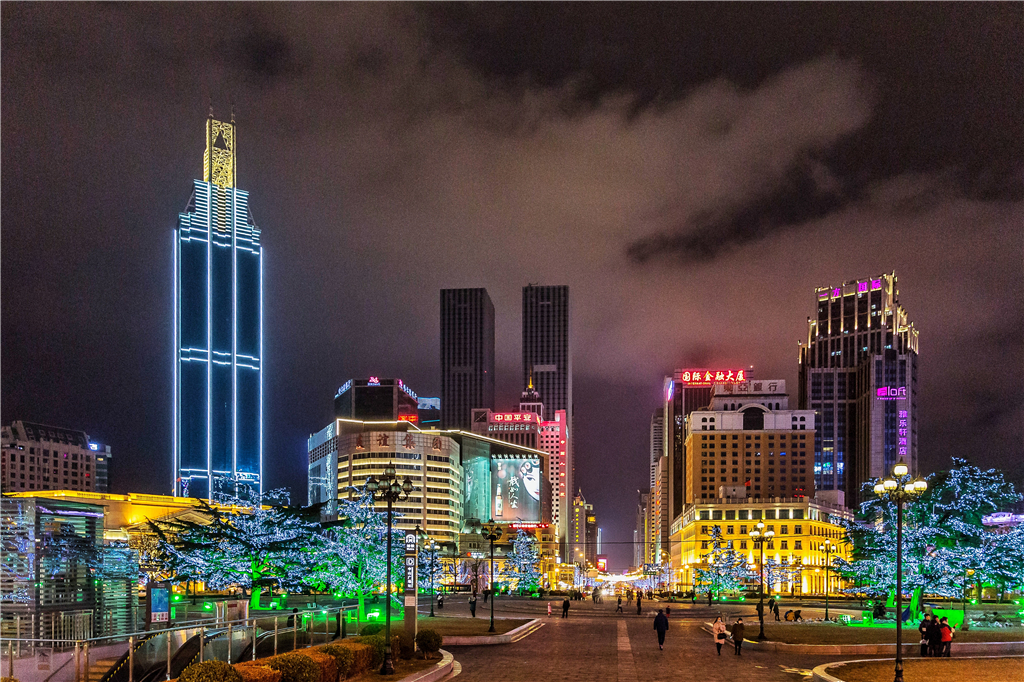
373 381
891 393
707 377
408 418
525 525
514 417
407 390
602 565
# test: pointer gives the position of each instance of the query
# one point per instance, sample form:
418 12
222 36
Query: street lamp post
432 547
388 489
900 488
760 536
829 549
492 531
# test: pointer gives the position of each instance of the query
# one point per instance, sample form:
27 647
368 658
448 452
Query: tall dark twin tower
467 351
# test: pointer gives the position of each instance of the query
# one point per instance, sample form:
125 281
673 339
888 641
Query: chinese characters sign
514 417
707 377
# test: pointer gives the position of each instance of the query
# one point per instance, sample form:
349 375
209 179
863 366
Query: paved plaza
595 644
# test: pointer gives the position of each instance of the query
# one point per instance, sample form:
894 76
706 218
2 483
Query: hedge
428 641
328 668
362 656
252 671
343 657
371 629
210 671
376 643
296 668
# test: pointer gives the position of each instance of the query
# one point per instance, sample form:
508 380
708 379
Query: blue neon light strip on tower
218 332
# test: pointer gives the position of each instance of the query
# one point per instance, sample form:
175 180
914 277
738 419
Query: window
716 515
797 544
798 529
785 544
769 514
743 514
730 515
784 530
743 544
743 530
703 530
730 530
703 544
783 513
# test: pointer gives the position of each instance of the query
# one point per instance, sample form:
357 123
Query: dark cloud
392 150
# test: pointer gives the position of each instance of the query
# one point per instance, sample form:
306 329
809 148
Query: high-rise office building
467 355
547 356
377 399
657 439
858 372
218 331
40 457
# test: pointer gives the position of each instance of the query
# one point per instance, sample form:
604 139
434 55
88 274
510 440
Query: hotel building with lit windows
801 526
858 372
748 439
40 457
218 331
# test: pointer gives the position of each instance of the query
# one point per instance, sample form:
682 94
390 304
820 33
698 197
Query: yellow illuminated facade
800 525
219 159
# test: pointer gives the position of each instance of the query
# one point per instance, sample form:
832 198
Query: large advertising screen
476 468
516 489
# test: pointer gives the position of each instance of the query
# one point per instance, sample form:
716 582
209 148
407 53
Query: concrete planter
507 638
442 669
826 672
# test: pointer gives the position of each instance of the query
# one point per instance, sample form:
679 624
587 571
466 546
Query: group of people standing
936 636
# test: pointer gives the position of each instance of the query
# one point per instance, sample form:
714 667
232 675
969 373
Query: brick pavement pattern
591 648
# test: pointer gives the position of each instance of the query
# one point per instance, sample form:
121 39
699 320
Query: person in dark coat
923 629
934 637
639 605
472 605
661 625
618 608
565 608
737 635
771 605
776 610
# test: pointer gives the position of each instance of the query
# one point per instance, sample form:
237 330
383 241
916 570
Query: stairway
100 667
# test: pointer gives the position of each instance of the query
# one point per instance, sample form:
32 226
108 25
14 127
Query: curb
507 638
441 669
911 648
820 673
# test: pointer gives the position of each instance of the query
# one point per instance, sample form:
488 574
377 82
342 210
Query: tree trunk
361 612
254 599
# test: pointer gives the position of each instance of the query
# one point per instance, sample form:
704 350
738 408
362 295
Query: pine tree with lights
723 569
777 573
431 569
945 544
351 554
520 571
256 543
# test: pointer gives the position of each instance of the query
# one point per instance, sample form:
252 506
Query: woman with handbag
719 632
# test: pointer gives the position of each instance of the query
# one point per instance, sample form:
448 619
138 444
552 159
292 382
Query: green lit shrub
371 629
210 671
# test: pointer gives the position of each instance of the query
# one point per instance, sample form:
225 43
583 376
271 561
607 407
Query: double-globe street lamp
492 532
431 547
899 488
760 536
388 489
829 548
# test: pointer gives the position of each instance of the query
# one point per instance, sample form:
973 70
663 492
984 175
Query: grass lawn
823 633
931 669
403 668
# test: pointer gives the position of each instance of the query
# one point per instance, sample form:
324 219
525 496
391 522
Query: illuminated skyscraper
218 331
858 372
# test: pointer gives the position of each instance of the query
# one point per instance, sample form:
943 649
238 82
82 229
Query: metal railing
140 656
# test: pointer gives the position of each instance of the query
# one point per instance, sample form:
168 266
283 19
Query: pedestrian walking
771 604
661 625
565 608
947 636
629 597
618 608
440 601
718 630
472 605
923 629
668 611
737 635
485 595
639 605
776 610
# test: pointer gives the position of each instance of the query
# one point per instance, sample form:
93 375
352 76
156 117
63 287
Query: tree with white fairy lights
520 569
723 568
946 547
350 555
256 543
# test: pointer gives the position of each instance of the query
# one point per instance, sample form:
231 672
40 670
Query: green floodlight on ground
974 601
208 606
373 615
177 597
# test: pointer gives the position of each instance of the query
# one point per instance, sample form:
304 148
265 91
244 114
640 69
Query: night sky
692 172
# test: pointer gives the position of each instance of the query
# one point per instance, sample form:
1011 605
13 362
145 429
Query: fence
156 655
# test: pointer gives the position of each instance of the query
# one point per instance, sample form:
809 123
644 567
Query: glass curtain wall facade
467 355
218 330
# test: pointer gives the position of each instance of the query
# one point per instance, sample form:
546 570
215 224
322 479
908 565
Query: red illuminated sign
523 525
602 565
408 418
514 417
707 377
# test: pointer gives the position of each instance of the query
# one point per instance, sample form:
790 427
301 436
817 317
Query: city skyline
692 209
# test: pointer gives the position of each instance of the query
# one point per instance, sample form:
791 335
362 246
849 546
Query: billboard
476 463
516 488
